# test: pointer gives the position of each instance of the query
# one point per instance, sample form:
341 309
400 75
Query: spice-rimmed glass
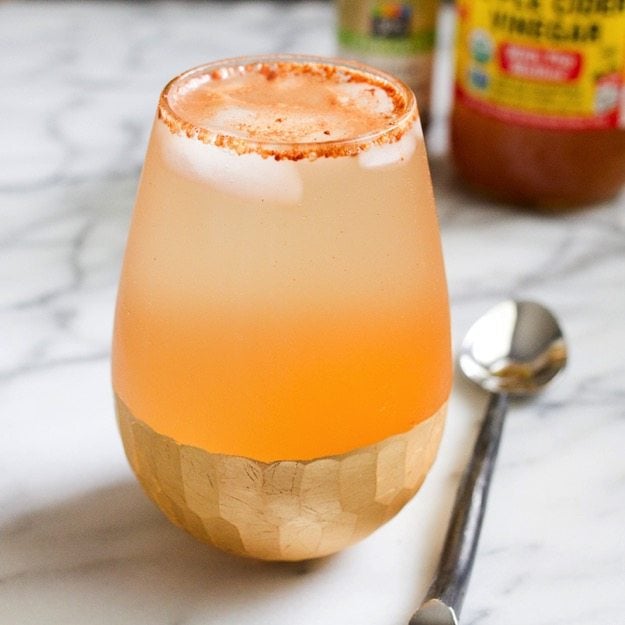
281 354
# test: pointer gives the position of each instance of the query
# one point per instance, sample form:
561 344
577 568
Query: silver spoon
514 349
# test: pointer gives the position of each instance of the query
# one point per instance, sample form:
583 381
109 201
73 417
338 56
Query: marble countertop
80 543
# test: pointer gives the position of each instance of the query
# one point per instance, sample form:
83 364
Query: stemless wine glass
281 354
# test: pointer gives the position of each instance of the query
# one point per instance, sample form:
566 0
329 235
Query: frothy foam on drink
294 109
288 109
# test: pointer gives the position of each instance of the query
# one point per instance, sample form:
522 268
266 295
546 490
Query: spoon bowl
514 348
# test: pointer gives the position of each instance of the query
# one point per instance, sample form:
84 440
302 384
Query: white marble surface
79 542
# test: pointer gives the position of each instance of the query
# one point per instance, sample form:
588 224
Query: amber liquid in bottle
537 166
539 117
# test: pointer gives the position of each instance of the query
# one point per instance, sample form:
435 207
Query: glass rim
405 116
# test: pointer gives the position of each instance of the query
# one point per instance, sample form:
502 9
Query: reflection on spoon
514 349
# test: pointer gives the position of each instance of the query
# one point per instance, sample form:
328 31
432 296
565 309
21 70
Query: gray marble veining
79 543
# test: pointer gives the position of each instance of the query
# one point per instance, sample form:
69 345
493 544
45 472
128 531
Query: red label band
536 120
541 64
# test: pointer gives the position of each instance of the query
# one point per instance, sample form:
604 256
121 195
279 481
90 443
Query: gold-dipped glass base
283 510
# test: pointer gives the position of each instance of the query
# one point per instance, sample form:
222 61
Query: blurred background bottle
397 37
539 113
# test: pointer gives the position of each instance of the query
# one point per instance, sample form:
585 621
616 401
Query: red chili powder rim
403 116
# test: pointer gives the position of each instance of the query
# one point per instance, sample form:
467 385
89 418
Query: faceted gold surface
283 510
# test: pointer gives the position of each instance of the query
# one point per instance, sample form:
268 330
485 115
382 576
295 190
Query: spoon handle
454 568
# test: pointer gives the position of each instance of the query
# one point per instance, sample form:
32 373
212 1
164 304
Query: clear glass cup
281 353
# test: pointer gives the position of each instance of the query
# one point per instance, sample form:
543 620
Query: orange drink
281 356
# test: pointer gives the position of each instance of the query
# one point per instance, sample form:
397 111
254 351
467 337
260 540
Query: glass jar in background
397 37
539 114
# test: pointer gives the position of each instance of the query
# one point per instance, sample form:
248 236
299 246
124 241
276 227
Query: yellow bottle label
543 63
